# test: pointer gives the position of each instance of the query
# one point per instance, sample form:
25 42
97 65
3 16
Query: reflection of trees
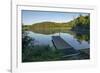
81 36
50 31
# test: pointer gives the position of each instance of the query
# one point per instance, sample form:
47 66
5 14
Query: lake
76 40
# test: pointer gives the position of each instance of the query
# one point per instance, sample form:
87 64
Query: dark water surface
76 40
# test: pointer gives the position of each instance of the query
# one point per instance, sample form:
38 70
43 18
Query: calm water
78 41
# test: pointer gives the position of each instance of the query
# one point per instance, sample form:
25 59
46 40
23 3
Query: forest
81 23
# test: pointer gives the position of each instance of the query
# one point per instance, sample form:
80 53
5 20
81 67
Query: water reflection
80 37
76 40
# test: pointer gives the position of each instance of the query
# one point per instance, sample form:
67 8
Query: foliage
26 40
40 53
82 23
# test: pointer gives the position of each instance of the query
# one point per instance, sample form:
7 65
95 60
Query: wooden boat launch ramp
62 45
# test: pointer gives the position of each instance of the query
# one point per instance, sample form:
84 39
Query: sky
30 17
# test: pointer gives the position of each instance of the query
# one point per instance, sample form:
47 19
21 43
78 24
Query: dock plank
62 45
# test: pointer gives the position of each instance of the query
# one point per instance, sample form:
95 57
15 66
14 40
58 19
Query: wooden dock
62 45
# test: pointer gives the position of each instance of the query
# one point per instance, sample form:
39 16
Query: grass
40 53
45 53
